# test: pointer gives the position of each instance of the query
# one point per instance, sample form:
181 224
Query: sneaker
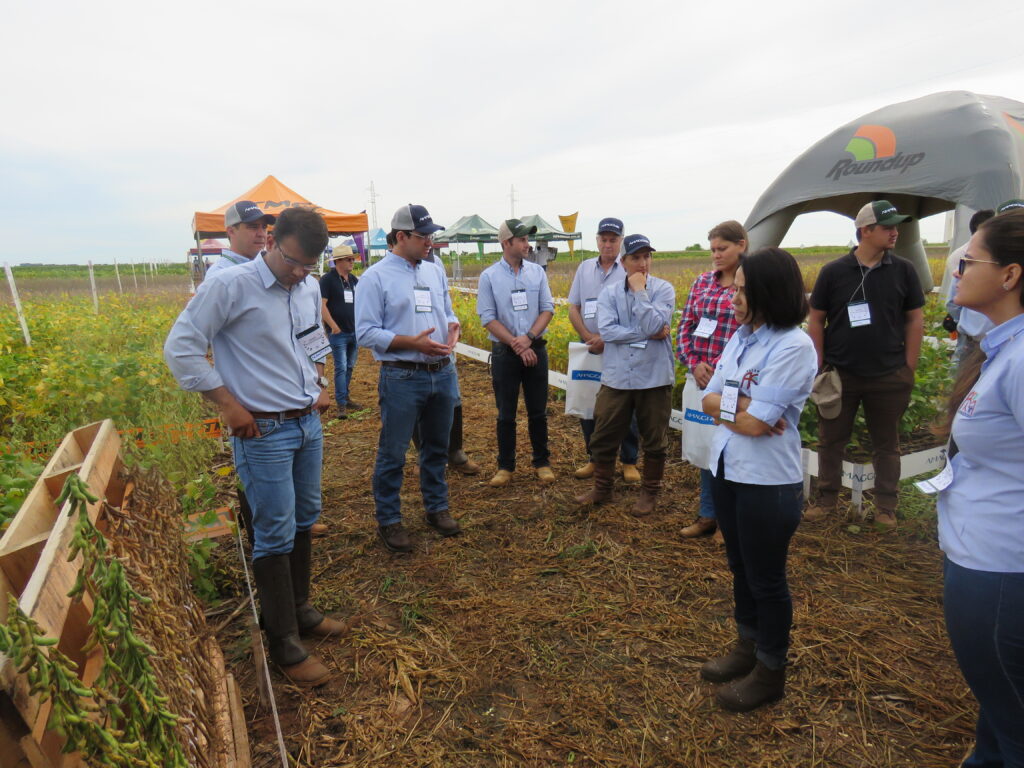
585 472
395 537
885 519
501 478
545 475
443 523
630 474
462 464
318 529
820 510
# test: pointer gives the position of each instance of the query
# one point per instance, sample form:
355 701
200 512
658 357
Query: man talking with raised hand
246 226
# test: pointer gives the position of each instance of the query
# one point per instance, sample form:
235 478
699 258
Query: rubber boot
604 481
277 605
735 664
309 619
762 686
654 470
457 458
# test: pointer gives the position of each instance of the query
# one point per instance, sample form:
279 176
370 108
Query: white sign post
134 278
92 282
117 273
17 304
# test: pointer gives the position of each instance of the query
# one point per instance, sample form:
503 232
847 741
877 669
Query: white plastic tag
860 314
639 344
422 297
314 342
589 309
706 327
730 399
349 296
938 483
519 303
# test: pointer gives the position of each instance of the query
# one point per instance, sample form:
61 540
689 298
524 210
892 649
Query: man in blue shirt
262 319
404 316
246 227
515 306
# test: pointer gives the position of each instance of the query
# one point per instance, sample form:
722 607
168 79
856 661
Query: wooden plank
18 564
239 727
55 481
220 707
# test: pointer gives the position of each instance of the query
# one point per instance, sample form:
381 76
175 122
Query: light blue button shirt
387 307
251 321
775 369
228 259
589 281
981 513
494 296
626 318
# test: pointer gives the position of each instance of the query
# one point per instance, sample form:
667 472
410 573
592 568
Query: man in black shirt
338 290
867 322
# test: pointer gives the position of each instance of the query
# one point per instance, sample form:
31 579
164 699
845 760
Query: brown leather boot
736 663
310 621
604 481
762 686
654 470
702 526
457 458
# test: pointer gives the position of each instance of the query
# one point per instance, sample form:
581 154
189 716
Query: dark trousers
757 522
985 621
885 398
615 411
508 374
629 448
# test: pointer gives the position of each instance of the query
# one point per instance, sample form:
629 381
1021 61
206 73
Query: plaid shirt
707 298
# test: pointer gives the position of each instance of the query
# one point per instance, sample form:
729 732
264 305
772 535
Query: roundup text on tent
899 161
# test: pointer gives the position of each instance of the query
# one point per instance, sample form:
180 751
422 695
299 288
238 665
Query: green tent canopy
546 232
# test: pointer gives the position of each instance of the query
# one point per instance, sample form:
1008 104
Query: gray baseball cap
245 211
414 218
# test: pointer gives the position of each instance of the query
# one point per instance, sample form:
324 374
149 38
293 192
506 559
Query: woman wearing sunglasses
756 394
981 498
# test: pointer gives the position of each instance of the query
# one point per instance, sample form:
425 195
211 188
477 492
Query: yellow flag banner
569 225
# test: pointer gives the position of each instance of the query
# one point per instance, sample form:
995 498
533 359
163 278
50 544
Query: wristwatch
322 381
531 335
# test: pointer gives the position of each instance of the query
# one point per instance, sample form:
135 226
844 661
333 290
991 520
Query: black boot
277 605
761 686
309 619
736 663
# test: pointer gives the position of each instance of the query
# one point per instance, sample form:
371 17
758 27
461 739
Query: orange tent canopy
273 197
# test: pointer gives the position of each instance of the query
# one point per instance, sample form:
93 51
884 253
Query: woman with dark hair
981 502
756 394
705 326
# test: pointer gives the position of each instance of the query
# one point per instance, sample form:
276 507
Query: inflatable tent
948 151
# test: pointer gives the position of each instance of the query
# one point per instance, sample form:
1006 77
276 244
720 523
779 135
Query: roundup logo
874 149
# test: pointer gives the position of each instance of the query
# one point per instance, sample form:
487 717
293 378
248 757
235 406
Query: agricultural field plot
549 636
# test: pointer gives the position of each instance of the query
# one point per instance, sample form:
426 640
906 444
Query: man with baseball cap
867 323
405 317
246 226
591 277
338 290
515 306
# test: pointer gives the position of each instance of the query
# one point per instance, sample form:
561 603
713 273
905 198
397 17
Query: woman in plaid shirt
699 345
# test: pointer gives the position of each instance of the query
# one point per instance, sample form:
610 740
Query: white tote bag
584 381
698 427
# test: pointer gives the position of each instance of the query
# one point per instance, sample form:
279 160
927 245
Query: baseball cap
634 243
879 212
245 211
827 394
1010 205
414 218
514 228
610 225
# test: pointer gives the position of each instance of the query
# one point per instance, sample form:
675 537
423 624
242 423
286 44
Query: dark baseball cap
245 211
514 228
1010 205
880 212
414 218
611 225
634 243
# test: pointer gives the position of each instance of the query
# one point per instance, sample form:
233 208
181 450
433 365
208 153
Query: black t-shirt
333 288
891 289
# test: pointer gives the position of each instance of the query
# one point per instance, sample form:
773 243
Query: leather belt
296 413
409 365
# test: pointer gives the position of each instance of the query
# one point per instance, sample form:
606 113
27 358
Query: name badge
519 303
860 314
639 344
314 342
422 297
706 327
938 483
589 309
349 296
730 399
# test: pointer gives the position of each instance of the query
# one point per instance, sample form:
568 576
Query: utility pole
373 206
512 199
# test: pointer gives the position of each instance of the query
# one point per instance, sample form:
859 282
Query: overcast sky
120 119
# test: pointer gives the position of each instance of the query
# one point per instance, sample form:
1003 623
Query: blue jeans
985 621
407 397
757 522
707 501
345 352
630 447
280 471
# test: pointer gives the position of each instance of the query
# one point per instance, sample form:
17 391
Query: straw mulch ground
545 635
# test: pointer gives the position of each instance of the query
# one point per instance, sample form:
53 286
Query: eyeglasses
292 262
964 262
428 238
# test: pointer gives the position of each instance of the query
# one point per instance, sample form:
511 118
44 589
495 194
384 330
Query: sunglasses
964 262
